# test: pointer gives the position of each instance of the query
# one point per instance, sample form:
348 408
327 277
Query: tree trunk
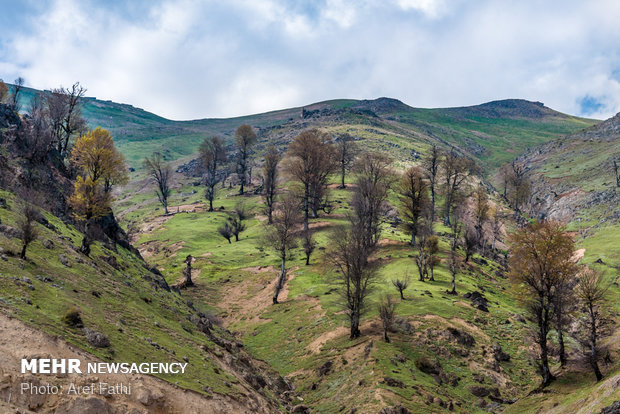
280 283
355 325
446 220
210 204
413 232
453 285
385 335
85 248
270 215
562 347
432 205
401 294
236 237
229 242
307 259
342 185
306 207
165 207
23 252
432 279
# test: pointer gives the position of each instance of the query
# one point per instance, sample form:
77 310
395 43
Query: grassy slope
128 310
281 335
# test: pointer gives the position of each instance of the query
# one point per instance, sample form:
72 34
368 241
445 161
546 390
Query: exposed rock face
612 409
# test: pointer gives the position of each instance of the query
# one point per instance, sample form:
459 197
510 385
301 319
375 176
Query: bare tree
456 169
401 285
431 168
281 235
540 262
35 132
481 214
308 244
432 248
374 177
213 153
310 161
4 91
161 172
236 220
65 115
346 151
270 179
26 224
18 85
563 299
496 225
387 309
350 257
596 322
413 192
245 138
226 231
518 185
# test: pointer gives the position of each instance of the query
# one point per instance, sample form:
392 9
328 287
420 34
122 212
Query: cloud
193 59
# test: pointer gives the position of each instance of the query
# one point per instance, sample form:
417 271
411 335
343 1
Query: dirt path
148 394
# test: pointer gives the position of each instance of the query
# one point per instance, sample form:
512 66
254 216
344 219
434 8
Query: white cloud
194 59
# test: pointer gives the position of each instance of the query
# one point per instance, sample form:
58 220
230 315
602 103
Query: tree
245 138
595 324
431 165
563 299
373 178
26 226
481 213
89 201
456 170
455 240
401 285
65 115
310 161
518 185
308 244
470 241
99 166
346 151
616 173
95 156
212 153
18 85
421 259
432 248
239 215
161 172
496 225
413 192
226 231
36 132
270 178
281 235
540 263
349 256
387 309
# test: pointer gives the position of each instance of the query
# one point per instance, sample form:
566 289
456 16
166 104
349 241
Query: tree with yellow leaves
100 166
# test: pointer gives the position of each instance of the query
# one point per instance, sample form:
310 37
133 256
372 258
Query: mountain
492 133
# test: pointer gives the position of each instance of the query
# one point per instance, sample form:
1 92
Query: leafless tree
4 91
356 274
310 161
65 115
346 151
518 186
212 153
35 132
401 285
226 231
161 172
245 138
413 193
431 165
270 179
26 224
595 324
18 85
387 309
308 244
237 218
456 170
281 235
373 178
481 214
562 301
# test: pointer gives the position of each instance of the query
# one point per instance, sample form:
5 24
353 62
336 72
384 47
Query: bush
73 318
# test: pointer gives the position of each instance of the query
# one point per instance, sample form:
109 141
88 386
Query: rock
3 203
478 301
392 382
399 409
499 354
90 405
612 409
63 259
324 369
48 244
302 409
479 391
462 337
96 339
428 367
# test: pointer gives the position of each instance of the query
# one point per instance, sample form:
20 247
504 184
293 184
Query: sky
189 59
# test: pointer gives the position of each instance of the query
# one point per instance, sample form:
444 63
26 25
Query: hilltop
492 133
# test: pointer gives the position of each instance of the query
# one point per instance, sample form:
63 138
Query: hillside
463 353
492 133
